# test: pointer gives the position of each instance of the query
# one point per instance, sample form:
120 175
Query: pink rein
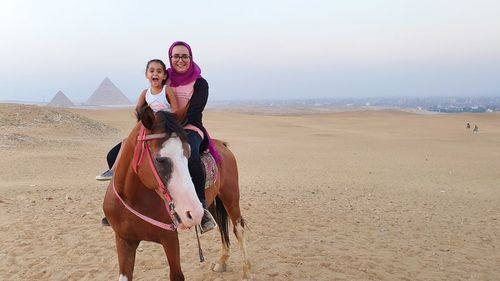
140 147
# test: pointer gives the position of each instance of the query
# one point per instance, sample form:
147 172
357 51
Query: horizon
255 51
291 100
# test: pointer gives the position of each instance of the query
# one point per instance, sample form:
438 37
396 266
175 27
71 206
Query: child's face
180 59
155 74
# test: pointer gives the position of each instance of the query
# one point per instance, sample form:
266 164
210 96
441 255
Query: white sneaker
106 176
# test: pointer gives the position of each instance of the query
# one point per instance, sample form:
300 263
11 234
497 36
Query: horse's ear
146 116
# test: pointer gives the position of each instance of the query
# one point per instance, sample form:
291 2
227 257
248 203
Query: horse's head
169 152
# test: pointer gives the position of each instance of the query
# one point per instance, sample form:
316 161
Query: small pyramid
60 100
108 94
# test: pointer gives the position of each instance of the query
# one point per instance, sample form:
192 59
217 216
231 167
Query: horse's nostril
188 214
161 159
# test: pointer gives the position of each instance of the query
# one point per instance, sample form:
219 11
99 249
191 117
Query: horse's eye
161 159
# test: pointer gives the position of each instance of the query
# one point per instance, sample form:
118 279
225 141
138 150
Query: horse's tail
221 218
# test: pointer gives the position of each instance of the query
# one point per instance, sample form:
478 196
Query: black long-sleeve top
195 107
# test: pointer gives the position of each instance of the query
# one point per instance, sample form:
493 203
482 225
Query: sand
364 195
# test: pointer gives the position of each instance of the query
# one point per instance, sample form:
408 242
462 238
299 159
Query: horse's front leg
172 250
126 257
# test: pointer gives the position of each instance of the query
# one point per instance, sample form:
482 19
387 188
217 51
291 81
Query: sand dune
366 195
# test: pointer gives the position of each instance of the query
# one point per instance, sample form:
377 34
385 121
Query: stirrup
207 222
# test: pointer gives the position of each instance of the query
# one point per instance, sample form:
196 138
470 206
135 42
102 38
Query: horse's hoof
217 267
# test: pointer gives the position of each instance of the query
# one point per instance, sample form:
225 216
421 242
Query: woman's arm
197 102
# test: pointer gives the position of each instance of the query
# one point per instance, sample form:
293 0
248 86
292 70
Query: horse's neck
128 183
124 169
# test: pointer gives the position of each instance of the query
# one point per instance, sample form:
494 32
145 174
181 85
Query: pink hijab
193 72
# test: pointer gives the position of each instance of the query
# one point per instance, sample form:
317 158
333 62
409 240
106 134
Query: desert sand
362 195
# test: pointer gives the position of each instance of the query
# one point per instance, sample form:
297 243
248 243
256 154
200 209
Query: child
156 96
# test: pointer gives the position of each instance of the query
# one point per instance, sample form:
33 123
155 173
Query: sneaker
106 176
207 222
104 222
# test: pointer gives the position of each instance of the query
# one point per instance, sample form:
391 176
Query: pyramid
60 100
108 94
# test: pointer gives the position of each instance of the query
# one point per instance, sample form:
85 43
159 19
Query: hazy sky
256 49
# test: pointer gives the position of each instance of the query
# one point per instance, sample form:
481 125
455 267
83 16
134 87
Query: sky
254 50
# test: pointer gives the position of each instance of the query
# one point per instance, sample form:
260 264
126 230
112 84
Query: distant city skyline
255 50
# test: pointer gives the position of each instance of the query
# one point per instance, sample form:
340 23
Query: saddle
210 157
211 171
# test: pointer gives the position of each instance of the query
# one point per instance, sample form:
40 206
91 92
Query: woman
191 93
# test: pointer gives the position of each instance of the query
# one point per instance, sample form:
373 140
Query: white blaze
180 185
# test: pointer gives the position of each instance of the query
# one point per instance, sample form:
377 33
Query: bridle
141 149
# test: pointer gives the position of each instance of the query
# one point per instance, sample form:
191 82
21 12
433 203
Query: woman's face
180 59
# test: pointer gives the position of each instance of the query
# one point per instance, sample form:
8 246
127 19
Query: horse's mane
161 120
170 124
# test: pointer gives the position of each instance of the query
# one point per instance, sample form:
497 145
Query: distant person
468 126
191 93
156 96
476 129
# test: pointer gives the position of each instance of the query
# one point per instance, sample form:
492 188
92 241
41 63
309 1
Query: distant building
108 94
60 100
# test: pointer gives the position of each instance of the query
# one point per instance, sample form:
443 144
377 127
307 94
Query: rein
166 226
142 148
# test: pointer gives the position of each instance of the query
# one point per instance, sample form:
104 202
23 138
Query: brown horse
148 202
